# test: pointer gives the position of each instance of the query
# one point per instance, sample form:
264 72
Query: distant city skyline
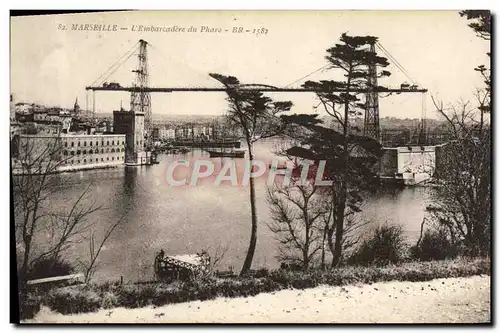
437 48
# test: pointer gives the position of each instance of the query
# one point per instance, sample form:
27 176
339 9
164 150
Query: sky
52 66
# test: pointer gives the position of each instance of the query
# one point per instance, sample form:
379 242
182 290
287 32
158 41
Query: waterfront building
131 124
71 151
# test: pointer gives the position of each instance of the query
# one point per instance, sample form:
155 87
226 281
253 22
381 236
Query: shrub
434 245
73 300
49 268
386 245
29 306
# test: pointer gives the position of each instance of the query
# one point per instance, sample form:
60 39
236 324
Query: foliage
73 300
481 22
49 267
434 245
386 245
350 156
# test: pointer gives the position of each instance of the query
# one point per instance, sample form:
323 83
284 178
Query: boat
235 153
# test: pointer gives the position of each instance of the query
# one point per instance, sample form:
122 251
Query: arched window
72 153
72 144
84 160
102 159
78 144
65 153
90 143
123 149
84 152
78 152
91 151
112 150
85 143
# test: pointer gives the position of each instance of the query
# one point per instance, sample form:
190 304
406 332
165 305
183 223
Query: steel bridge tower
372 118
140 99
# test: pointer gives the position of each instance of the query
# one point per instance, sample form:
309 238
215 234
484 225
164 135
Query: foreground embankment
111 297
454 300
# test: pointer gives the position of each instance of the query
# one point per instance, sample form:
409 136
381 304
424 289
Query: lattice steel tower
140 100
372 119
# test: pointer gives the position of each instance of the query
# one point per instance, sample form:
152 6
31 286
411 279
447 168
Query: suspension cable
170 59
122 62
306 76
114 64
396 63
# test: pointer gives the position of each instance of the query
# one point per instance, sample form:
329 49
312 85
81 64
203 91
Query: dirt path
461 300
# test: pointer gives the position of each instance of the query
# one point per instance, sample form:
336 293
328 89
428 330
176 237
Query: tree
257 116
350 157
462 205
91 264
296 211
44 232
481 22
38 160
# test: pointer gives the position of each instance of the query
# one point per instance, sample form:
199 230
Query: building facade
131 125
68 152
93 150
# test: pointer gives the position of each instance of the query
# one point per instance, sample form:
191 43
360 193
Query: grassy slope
93 297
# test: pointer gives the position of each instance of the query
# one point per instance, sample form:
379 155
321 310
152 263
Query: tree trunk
339 228
247 264
325 231
339 232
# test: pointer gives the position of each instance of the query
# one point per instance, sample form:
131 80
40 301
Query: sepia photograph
251 167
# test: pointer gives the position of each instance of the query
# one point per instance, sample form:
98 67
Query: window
91 151
65 153
97 143
90 143
107 143
65 144
102 159
107 150
78 161
72 153
84 152
78 144
72 144
85 143
107 158
112 150
123 149
113 142
84 160
90 160
112 158
78 152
